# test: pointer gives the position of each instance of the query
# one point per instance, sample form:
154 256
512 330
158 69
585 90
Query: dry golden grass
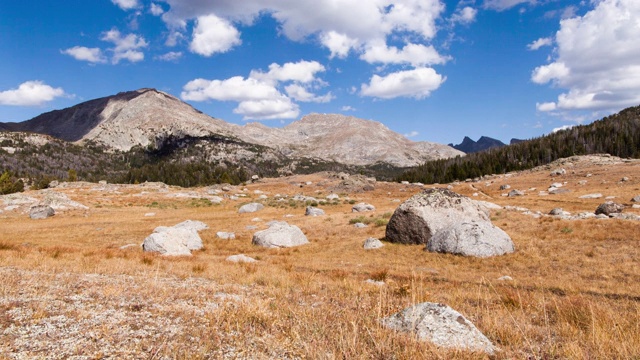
575 293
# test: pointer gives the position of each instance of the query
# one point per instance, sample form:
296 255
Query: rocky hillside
143 117
148 117
347 140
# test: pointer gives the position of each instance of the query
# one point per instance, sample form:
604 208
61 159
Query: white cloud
348 108
92 55
173 38
501 5
126 47
338 44
170 56
466 15
126 4
552 72
257 100
302 71
341 26
417 83
564 127
258 96
596 58
547 106
412 134
213 35
30 93
281 108
540 43
300 93
156 10
414 54
236 88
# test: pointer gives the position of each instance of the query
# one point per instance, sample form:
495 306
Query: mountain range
150 119
484 143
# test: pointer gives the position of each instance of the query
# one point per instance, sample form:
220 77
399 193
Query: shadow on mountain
72 123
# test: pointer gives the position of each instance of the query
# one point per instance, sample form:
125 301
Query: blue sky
433 70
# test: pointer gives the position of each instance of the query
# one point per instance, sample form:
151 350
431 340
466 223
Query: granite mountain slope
148 117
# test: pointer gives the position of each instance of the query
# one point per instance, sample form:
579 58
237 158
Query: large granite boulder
479 239
442 326
280 234
416 220
447 222
175 240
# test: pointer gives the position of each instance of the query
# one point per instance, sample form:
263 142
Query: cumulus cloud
126 47
338 44
540 43
394 33
465 15
300 93
596 59
126 4
334 26
92 55
302 71
213 35
552 72
30 93
417 83
170 56
414 54
258 96
156 10
501 5
547 106
412 134
348 108
564 127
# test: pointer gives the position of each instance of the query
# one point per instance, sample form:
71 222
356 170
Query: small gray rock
591 196
362 207
505 187
313 211
278 235
558 172
40 212
374 282
241 258
250 208
513 193
441 325
556 212
225 235
636 198
372 243
360 225
609 208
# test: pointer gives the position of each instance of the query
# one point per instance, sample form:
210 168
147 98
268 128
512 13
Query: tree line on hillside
617 135
185 162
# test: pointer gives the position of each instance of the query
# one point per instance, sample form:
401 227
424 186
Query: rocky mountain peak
146 117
